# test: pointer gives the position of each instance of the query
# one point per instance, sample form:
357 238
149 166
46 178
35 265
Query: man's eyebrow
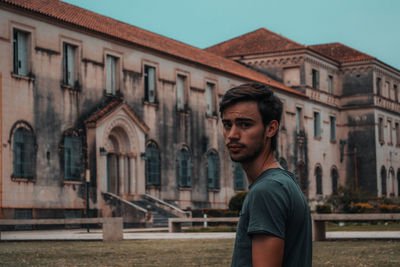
239 120
244 120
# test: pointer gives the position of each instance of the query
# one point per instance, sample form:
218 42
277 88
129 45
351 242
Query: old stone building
92 105
351 116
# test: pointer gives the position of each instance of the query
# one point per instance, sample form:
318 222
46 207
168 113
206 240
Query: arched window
213 170
391 182
184 168
72 156
398 182
383 180
153 164
334 176
302 177
318 180
239 176
24 152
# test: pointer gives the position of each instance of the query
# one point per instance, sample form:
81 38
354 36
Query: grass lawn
330 226
364 226
182 253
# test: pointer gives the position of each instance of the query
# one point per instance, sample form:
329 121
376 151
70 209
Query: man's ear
272 128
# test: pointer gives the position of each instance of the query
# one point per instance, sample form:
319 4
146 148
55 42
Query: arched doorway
119 176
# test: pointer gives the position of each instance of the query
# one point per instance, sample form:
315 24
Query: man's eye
244 125
227 125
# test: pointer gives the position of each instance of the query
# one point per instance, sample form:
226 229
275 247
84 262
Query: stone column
121 174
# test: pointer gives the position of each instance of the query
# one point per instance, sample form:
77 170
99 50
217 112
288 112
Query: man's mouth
235 147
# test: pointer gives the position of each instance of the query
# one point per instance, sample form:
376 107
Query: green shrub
323 208
345 197
236 202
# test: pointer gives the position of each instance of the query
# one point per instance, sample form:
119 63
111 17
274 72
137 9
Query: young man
275 225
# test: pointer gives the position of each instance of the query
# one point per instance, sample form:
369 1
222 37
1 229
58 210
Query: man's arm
267 251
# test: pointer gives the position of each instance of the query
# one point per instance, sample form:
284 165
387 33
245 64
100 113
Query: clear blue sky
370 26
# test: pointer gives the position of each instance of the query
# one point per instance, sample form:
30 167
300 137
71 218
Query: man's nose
234 133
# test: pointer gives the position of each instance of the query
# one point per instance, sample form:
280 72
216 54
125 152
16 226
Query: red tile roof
97 115
340 52
106 109
256 42
265 41
88 20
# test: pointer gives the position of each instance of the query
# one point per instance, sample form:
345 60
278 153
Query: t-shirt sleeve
268 209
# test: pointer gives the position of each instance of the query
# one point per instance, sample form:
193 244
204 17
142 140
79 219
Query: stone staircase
160 216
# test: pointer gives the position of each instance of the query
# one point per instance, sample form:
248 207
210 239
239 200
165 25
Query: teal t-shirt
275 205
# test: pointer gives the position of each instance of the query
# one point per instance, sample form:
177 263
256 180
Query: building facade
93 105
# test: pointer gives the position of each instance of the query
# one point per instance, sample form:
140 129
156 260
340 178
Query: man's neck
264 162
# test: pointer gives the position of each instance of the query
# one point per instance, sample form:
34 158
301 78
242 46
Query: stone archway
116 140
121 157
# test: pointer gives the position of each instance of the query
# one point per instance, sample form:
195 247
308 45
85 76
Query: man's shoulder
276 175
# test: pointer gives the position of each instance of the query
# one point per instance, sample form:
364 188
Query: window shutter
239 177
18 153
151 80
209 95
111 74
76 158
211 172
189 169
70 65
22 53
30 155
217 168
180 92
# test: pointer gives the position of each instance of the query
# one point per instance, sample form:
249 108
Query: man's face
244 131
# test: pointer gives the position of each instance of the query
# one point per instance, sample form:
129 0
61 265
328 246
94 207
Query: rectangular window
380 130
395 92
298 120
333 128
210 95
69 64
378 86
111 78
387 90
20 52
317 124
72 158
180 92
149 84
389 124
330 84
397 129
315 79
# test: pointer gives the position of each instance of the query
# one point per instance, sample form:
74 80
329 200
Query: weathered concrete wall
361 152
357 82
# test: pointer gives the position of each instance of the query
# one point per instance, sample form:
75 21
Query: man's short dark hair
269 106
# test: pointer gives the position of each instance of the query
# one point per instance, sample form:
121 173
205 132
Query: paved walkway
132 234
